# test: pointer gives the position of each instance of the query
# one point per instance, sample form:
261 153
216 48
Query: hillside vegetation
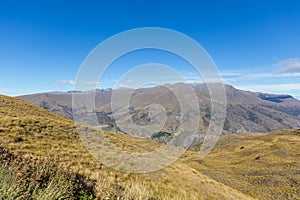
25 177
246 166
263 165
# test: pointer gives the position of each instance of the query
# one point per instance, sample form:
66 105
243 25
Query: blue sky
255 44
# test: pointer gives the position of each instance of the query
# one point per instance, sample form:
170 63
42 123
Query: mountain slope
28 129
243 166
246 111
264 165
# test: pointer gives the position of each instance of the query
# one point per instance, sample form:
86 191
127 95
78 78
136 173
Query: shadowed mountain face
245 111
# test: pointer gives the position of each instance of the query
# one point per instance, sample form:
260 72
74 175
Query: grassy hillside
28 129
24 177
263 165
247 166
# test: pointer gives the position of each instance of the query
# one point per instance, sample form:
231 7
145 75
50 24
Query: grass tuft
36 178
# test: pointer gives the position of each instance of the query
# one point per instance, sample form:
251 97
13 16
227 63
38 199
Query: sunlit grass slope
227 173
263 165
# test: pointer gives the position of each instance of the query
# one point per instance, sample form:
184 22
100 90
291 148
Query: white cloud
270 75
70 82
91 83
231 73
289 68
275 88
123 86
97 83
291 65
287 88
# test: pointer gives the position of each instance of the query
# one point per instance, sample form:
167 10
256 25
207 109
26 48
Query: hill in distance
246 111
244 166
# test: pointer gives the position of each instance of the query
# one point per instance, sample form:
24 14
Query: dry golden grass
25 177
263 165
27 129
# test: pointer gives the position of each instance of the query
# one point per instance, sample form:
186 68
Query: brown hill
30 130
244 166
246 111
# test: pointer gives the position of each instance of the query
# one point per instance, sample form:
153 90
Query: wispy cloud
289 68
96 84
269 75
70 82
287 88
272 87
123 86
282 78
231 73
291 65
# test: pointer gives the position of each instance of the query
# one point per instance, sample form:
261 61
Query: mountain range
245 111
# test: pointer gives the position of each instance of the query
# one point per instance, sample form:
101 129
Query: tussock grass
24 177
263 165
228 172
29 130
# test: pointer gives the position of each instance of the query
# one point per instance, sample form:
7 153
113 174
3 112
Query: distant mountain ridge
246 111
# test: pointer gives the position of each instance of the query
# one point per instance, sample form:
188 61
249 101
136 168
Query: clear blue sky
255 44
